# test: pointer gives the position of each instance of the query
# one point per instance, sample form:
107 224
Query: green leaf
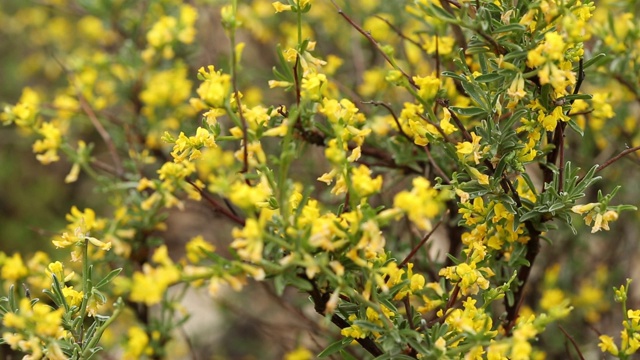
107 279
472 50
556 206
594 61
475 93
279 284
346 356
468 111
576 97
334 347
491 77
573 125
454 76
509 28
395 357
13 302
440 13
367 325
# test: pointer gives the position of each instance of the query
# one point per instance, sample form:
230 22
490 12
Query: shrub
403 165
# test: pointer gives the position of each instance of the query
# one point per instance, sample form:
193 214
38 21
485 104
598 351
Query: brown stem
533 248
395 118
575 345
221 209
243 121
422 242
104 134
373 41
320 300
457 30
436 167
617 157
399 32
456 120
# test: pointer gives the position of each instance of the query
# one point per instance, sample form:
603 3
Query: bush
415 169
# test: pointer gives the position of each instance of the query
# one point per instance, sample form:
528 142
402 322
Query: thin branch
373 41
456 120
399 32
629 85
236 94
104 134
422 242
395 118
615 158
457 30
221 209
435 166
437 56
575 345
320 300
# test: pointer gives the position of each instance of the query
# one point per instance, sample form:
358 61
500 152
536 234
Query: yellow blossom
248 241
14 269
137 344
362 182
197 249
607 345
280 7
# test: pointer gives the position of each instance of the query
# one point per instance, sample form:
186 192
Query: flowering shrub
384 133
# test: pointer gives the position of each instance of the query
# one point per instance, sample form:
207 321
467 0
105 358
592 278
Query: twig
465 133
613 159
437 57
616 158
435 166
457 30
320 300
572 341
104 134
422 242
374 43
236 94
407 309
399 32
395 118
235 218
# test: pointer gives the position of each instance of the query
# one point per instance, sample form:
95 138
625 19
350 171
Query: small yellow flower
280 7
299 354
607 345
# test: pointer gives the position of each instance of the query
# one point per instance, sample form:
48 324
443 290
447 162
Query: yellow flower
445 123
215 86
313 85
362 182
248 197
280 7
428 87
299 354
197 248
248 241
483 179
421 204
470 150
14 269
73 297
137 344
150 284
607 345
